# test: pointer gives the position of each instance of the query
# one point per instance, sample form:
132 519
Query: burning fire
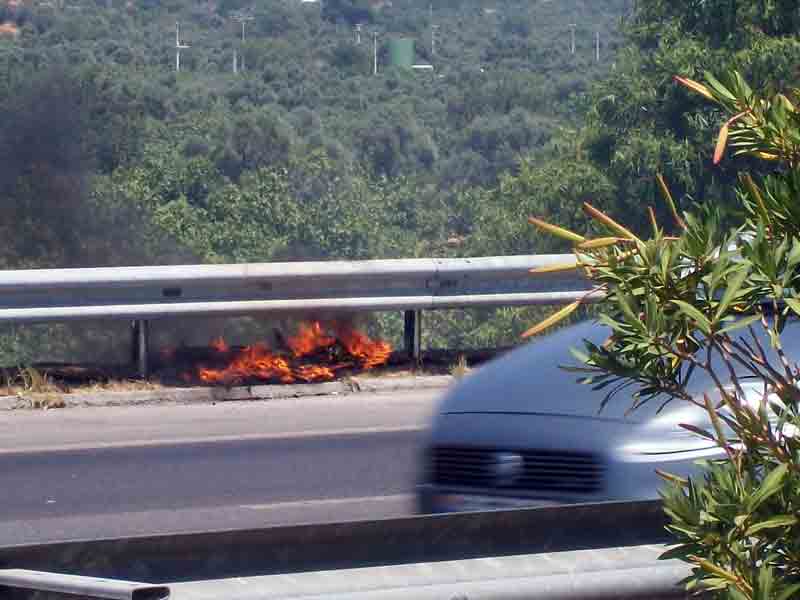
220 345
316 353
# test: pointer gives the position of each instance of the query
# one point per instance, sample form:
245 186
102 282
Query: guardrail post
413 335
140 347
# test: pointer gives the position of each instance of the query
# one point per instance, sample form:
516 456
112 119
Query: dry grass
121 385
38 390
389 372
35 388
44 401
461 368
28 380
34 381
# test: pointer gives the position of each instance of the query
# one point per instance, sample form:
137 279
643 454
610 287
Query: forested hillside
302 153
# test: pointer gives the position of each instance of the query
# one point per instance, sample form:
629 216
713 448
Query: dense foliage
303 122
640 123
719 304
718 296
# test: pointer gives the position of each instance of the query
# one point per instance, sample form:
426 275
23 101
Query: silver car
520 431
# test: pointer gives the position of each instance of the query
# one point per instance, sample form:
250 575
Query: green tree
640 123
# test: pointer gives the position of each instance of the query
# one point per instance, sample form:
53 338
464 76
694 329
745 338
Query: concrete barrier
633 573
292 549
628 573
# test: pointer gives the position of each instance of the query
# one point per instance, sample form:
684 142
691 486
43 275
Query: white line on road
293 435
329 502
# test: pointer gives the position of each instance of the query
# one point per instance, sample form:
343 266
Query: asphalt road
104 472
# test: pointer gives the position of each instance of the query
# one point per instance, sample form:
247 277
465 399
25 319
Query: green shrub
702 297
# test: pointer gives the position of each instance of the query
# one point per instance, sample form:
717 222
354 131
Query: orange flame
309 339
366 351
333 348
220 345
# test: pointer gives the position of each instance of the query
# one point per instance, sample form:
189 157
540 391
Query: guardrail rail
144 294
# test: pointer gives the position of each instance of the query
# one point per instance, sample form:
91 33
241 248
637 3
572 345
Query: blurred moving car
520 431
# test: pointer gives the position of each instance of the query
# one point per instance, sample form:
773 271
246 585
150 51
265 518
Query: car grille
540 470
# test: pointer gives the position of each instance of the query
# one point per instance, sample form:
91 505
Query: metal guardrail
427 273
143 294
329 546
82 587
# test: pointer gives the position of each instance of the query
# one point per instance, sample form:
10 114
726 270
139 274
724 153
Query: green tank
401 52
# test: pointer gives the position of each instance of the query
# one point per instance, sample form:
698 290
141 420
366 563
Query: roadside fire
318 352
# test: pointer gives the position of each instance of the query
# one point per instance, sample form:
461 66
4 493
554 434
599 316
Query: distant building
401 52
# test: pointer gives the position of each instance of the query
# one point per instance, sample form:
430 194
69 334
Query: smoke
56 212
56 209
43 171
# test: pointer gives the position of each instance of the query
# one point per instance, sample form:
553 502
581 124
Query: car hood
530 380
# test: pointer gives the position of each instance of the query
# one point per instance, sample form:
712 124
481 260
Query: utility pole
597 46
243 18
374 52
572 27
178 47
433 39
358 33
235 65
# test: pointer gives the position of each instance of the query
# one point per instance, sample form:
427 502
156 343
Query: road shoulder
213 395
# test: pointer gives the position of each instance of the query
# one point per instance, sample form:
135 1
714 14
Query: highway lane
78 428
107 472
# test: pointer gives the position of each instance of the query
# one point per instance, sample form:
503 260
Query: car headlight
754 396
677 445
663 435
